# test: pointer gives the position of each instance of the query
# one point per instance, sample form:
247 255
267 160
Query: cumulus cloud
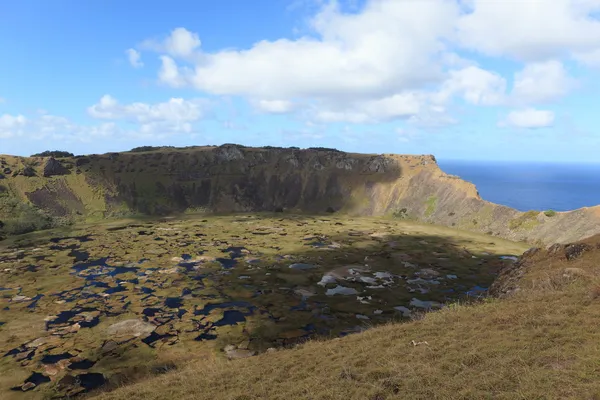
541 82
274 106
122 121
176 109
529 118
134 57
11 125
394 59
536 30
179 43
173 116
476 85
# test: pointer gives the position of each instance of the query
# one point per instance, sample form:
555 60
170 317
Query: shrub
549 213
53 153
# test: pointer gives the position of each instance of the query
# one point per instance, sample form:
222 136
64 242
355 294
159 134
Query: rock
54 167
271 350
20 298
240 353
405 311
530 252
167 271
131 327
555 248
109 346
424 304
51 370
574 251
346 291
302 266
229 347
29 171
428 273
27 386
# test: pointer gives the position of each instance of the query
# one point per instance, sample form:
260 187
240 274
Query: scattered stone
405 311
424 304
302 266
345 291
131 327
235 354
20 298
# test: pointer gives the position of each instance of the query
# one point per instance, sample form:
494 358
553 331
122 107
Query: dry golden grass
541 343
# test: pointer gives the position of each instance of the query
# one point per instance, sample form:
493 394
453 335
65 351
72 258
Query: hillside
43 192
538 342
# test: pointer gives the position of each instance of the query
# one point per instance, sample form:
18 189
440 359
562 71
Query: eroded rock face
54 167
131 327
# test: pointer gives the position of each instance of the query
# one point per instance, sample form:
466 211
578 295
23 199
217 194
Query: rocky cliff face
39 192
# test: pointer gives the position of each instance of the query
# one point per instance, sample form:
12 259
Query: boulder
54 167
131 327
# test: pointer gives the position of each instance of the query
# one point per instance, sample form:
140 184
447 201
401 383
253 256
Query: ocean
531 186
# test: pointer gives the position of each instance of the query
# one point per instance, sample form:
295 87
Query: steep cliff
40 192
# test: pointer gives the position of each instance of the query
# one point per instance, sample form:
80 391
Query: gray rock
131 327
54 167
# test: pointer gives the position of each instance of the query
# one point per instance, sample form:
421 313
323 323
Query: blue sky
460 79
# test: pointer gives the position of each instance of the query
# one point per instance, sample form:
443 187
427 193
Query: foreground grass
541 343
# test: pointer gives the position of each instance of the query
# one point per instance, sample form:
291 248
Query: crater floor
94 307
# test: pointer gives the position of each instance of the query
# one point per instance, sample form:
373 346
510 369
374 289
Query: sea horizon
531 185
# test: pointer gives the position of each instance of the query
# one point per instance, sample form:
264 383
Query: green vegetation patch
525 221
549 213
431 205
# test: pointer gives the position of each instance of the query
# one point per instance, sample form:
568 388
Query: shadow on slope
232 178
540 342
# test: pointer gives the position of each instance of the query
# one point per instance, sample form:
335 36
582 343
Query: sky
506 80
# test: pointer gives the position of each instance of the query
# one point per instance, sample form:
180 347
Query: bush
53 153
550 213
22 217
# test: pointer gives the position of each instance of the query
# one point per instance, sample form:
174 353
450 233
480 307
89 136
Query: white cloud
394 59
180 43
389 47
169 72
11 125
590 58
529 118
175 110
475 85
134 57
541 82
533 30
274 106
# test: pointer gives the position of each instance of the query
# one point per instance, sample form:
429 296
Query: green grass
431 204
525 221
549 213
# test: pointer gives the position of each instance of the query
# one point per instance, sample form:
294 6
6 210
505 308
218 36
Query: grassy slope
541 343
